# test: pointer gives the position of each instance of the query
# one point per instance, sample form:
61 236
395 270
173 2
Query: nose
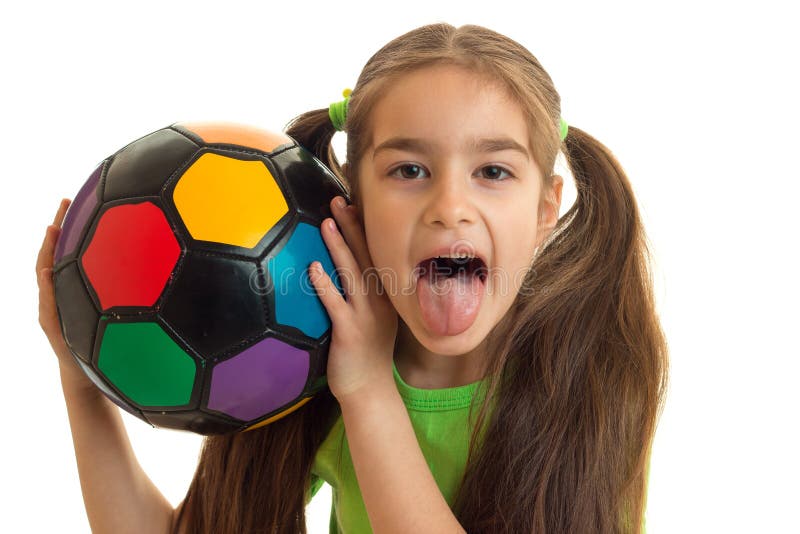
450 203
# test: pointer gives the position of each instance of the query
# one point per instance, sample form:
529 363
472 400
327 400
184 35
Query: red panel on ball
131 255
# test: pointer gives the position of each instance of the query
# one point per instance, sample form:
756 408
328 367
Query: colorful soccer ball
181 277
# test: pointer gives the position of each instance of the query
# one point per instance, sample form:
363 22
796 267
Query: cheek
515 229
381 238
515 240
389 240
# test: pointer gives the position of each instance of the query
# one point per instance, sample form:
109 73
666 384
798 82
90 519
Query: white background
697 100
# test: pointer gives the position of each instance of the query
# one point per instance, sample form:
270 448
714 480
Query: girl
548 327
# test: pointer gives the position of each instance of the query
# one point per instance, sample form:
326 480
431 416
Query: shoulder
181 529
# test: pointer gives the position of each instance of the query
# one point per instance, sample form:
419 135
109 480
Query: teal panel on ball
296 301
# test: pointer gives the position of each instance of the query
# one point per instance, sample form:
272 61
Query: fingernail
332 225
340 202
316 269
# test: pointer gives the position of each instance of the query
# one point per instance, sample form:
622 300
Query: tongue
449 304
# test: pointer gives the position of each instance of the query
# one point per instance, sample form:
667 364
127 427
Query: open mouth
444 267
449 290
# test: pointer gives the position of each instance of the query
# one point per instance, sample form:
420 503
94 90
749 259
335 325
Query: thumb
48 316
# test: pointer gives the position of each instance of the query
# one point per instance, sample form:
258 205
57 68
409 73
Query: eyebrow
494 144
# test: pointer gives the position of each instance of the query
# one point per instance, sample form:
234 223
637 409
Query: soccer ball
181 277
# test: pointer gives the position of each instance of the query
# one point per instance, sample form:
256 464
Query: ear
359 211
548 217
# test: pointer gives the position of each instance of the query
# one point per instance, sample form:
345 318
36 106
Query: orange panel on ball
228 200
237 134
277 416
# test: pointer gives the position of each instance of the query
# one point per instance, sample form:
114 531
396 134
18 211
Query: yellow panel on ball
237 134
228 200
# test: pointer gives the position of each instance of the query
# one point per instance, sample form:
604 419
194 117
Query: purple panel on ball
259 380
78 213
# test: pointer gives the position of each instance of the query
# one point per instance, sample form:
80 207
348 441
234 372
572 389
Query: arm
118 495
399 491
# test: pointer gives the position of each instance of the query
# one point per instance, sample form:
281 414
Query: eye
414 169
494 175
498 170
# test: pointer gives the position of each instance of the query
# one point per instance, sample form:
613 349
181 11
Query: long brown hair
579 363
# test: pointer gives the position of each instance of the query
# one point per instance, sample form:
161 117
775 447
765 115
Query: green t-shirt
440 421
441 424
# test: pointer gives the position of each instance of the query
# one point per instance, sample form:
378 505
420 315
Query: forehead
447 107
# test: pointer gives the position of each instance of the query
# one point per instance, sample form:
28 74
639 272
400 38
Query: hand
48 316
364 326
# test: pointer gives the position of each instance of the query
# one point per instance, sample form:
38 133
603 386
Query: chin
455 345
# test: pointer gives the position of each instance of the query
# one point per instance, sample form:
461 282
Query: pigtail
258 481
583 370
628 371
314 131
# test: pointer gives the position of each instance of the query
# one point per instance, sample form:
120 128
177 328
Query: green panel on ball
146 364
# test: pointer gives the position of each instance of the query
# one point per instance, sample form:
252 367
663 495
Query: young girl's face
436 193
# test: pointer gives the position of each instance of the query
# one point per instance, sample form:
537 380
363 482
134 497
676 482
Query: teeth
458 259
464 261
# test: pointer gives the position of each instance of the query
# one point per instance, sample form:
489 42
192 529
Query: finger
48 316
48 313
45 257
62 210
356 239
46 297
353 233
327 292
347 268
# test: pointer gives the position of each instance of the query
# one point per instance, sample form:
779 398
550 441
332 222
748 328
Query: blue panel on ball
296 301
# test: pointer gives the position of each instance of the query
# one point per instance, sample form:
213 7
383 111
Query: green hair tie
563 129
338 110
